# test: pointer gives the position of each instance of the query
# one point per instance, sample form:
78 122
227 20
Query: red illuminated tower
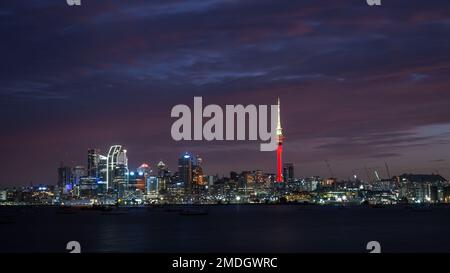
280 147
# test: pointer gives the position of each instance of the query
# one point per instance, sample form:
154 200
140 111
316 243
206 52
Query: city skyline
360 86
109 180
89 169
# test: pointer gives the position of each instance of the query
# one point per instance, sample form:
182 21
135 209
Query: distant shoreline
236 205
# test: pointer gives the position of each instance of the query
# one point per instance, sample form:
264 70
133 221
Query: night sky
359 85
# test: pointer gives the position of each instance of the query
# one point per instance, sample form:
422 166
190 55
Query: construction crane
367 173
329 169
377 175
387 170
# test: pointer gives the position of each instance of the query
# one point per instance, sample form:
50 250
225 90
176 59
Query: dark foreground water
278 229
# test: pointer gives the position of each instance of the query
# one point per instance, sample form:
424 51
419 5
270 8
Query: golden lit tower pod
280 146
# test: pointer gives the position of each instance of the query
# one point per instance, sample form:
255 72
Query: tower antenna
280 145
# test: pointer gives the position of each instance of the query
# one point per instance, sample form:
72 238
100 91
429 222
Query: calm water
230 229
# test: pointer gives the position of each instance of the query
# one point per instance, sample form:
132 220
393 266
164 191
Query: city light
269 127
190 184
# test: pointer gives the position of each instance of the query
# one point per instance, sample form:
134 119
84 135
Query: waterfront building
288 172
93 162
422 188
117 168
185 167
65 178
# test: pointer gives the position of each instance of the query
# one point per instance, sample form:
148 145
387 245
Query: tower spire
279 129
280 146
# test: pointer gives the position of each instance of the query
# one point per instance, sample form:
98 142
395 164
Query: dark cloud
356 83
438 160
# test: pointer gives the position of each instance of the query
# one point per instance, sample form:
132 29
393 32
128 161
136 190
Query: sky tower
280 146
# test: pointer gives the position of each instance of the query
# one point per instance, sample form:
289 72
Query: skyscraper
93 162
141 176
185 164
163 175
144 169
288 172
103 171
77 173
161 169
65 177
117 166
280 146
197 169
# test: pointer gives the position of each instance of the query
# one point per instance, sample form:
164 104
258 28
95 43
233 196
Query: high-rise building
161 169
117 167
288 172
102 172
3 195
88 187
185 167
234 176
163 175
77 173
152 187
422 188
197 175
142 173
144 169
65 177
120 179
137 180
93 163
